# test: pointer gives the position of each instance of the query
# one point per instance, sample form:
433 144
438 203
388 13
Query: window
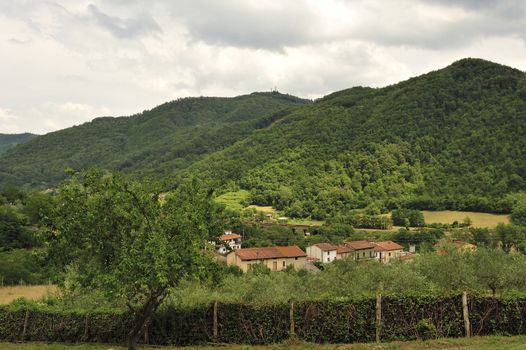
389 254
363 254
283 263
295 258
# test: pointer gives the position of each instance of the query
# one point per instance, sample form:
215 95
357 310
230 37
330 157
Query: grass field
10 293
475 343
233 200
478 219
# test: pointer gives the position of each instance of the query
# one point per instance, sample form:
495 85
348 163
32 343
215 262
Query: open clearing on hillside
478 219
10 293
475 343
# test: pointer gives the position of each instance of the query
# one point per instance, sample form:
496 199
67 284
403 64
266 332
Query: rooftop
325 246
386 246
358 245
270 253
229 236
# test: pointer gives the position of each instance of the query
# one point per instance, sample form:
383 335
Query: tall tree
125 239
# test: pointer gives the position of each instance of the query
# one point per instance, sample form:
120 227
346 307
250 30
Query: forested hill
156 142
454 138
10 140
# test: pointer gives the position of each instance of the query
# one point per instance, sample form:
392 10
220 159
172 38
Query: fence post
86 328
26 320
379 312
465 313
215 330
291 319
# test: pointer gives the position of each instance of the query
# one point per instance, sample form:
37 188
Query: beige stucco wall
281 263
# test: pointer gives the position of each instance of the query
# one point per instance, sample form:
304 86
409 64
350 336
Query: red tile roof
326 246
358 245
343 249
386 246
229 236
270 253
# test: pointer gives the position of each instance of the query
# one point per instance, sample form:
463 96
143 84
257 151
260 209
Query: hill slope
156 142
8 141
453 138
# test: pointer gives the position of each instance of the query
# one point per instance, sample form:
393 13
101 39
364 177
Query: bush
425 329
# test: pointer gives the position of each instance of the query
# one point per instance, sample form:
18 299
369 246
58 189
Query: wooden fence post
26 320
86 328
465 313
291 320
215 329
379 313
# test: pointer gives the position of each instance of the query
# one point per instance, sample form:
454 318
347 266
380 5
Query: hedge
327 321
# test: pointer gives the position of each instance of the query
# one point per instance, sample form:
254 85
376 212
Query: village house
387 250
361 250
227 242
275 258
323 252
343 251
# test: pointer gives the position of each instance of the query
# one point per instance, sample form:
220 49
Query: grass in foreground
475 343
10 293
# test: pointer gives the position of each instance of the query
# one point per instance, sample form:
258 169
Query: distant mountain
454 138
157 142
10 140
451 139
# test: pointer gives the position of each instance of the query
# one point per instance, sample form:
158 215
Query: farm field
475 343
478 219
10 293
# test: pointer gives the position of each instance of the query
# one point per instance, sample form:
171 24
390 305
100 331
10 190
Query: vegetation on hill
450 139
157 142
8 141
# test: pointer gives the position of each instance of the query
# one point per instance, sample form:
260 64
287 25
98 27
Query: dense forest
453 138
8 141
155 143
449 139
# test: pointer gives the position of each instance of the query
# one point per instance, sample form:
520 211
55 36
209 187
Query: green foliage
117 236
21 266
518 214
430 142
156 143
8 141
425 329
408 217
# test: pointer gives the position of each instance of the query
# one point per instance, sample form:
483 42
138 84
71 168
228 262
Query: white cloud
65 62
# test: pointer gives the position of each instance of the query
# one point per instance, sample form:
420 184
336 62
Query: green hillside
156 142
450 139
453 138
8 141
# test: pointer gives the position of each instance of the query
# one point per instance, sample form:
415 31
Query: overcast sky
66 62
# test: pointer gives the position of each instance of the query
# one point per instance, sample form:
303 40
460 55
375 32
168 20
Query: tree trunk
142 316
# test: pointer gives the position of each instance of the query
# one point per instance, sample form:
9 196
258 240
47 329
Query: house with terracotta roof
387 250
343 252
361 250
275 258
227 242
324 252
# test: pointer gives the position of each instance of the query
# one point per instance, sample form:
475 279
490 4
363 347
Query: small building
324 252
227 242
275 258
343 252
387 250
361 250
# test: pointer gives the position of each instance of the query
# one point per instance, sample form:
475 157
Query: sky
65 62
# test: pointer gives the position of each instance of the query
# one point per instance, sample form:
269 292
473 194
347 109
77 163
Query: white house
228 240
387 250
324 252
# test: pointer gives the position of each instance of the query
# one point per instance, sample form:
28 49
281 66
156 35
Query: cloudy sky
64 62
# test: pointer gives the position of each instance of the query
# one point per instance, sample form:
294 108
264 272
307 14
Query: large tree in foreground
126 240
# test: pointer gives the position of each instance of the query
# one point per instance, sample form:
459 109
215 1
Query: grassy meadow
10 293
478 219
475 343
